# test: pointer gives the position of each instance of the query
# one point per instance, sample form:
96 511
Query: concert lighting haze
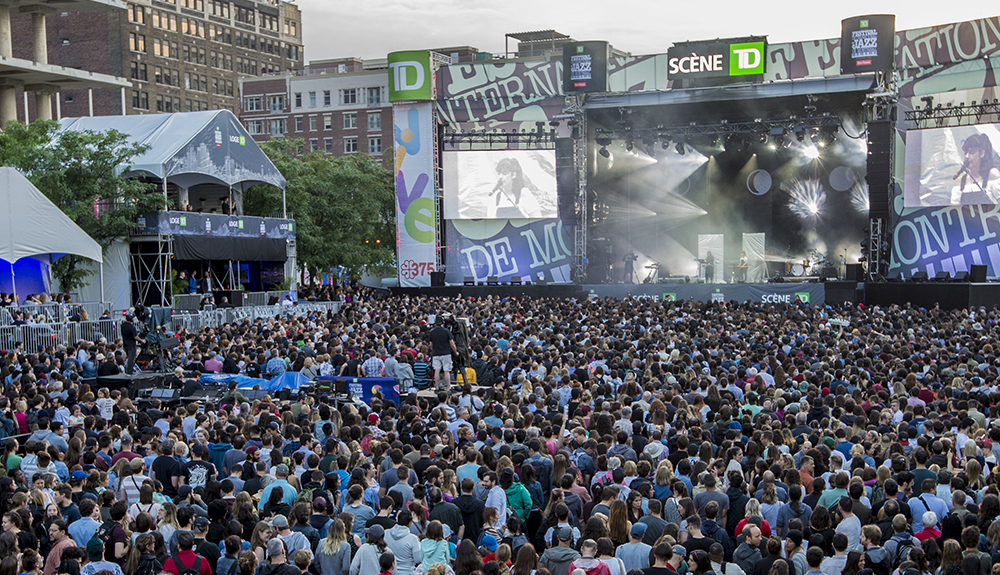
371 29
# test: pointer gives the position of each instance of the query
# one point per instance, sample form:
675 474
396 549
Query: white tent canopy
34 227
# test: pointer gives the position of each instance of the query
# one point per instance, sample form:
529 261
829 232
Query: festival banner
413 127
787 293
534 250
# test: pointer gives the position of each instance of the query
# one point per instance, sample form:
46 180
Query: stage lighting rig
800 132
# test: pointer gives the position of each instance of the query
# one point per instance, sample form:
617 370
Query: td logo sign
746 59
410 75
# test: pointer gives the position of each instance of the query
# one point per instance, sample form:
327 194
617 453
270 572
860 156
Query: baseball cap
375 530
565 534
490 543
201 523
183 491
136 464
638 529
279 521
79 475
679 550
251 449
319 504
95 549
198 449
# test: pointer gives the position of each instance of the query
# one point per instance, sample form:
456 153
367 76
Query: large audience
561 437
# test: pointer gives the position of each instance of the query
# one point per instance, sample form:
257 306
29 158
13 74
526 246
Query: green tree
344 207
81 172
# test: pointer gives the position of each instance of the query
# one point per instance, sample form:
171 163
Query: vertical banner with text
413 128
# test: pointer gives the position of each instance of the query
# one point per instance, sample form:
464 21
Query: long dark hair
467 559
974 143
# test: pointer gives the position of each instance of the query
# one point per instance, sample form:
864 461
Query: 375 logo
411 269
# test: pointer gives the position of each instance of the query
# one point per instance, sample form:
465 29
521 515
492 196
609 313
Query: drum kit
816 261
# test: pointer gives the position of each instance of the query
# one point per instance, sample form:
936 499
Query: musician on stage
741 268
709 268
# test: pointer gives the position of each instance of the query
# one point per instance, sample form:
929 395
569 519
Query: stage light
628 146
800 133
679 148
603 141
811 152
777 134
604 152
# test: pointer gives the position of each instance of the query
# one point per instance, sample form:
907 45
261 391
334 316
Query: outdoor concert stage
949 295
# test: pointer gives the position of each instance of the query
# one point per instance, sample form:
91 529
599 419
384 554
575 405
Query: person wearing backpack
876 557
277 560
228 564
898 546
186 561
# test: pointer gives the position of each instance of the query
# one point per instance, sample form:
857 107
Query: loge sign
739 59
867 43
410 76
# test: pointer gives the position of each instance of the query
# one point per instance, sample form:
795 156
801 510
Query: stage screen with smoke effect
500 184
952 166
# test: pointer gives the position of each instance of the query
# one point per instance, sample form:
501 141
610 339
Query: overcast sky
369 29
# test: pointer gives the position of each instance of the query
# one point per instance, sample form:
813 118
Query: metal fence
53 312
193 321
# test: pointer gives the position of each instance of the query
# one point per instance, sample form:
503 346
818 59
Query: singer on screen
510 199
978 179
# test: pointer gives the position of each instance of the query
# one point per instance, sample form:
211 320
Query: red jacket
187 558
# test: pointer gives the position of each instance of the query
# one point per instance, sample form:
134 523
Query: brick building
31 74
336 106
180 55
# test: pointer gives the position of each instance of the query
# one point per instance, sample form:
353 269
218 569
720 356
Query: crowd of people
593 437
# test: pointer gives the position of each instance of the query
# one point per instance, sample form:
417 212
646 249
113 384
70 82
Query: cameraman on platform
442 346
129 338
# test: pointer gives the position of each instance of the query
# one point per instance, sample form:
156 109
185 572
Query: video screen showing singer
513 196
978 179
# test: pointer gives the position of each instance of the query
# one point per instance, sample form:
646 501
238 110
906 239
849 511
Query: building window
350 145
314 145
298 100
255 127
278 127
312 99
298 123
254 104
313 123
350 120
136 14
375 146
136 42
326 97
328 144
159 102
374 122
277 103
349 96
328 122
374 96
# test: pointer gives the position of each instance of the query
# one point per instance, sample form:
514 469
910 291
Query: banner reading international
413 127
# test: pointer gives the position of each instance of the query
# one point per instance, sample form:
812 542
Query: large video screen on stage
500 184
952 166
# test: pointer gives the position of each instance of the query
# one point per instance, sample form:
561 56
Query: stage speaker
977 274
879 168
919 277
169 343
437 279
566 181
515 280
469 281
855 273
492 281
961 276
942 276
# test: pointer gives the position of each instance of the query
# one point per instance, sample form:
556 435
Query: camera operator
129 338
442 347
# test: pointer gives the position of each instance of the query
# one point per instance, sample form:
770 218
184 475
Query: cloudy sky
370 29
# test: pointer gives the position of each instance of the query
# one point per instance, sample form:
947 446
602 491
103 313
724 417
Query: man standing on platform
129 338
442 346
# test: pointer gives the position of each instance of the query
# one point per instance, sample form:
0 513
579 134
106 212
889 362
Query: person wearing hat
199 471
210 551
130 337
96 562
559 557
130 485
293 540
366 560
277 560
281 473
635 553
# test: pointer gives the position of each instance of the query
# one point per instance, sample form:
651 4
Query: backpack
103 533
305 495
149 567
902 550
194 569
881 568
723 539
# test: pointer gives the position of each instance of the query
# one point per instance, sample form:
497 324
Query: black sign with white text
585 67
867 43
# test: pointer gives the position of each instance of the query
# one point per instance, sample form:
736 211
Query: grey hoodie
746 556
557 559
406 547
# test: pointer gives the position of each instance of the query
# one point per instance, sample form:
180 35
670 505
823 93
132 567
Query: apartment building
335 106
179 55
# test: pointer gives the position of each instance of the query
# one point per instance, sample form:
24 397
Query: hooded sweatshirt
591 565
217 453
365 562
432 552
472 515
746 556
406 547
557 559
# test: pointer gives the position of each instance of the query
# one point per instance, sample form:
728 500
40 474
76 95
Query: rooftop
28 73
57 6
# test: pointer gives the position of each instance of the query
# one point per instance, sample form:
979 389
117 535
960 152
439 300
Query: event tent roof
34 227
190 148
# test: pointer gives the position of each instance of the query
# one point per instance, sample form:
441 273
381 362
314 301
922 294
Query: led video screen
500 184
952 166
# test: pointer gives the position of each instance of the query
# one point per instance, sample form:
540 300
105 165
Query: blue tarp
287 380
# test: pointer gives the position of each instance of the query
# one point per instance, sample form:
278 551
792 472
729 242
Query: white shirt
497 498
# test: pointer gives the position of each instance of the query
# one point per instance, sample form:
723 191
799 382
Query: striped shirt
130 487
420 372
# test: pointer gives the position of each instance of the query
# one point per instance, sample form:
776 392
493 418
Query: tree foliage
344 207
81 172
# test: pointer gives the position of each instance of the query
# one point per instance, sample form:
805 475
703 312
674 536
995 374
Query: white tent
33 227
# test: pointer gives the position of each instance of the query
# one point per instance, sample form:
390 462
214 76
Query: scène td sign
410 75
717 59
